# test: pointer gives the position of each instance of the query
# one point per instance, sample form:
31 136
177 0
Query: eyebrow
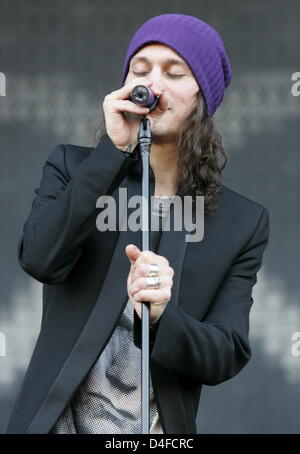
169 61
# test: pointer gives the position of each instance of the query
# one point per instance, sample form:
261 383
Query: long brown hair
200 149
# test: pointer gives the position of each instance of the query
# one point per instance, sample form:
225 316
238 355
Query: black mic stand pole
145 140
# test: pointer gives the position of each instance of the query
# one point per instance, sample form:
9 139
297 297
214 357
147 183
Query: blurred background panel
60 59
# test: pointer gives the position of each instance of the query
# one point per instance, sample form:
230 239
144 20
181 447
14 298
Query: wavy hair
201 156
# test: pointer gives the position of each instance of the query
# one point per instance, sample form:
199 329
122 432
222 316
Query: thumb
132 252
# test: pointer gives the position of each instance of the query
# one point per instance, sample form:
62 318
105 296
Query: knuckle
169 281
170 271
140 268
138 285
141 295
136 296
165 260
142 283
144 269
146 255
162 259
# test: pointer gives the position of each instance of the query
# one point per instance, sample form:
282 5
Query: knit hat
197 43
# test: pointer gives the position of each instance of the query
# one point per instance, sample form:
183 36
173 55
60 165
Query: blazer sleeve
64 210
217 348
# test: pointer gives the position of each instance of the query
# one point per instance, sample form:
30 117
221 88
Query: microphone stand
145 140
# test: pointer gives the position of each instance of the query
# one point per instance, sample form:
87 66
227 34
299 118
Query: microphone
144 96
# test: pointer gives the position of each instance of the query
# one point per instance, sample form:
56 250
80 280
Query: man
84 375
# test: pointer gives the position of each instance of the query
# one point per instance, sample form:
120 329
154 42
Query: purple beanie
197 43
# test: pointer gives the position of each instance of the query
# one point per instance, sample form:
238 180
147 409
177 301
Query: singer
84 374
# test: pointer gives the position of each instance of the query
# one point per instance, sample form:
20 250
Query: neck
163 161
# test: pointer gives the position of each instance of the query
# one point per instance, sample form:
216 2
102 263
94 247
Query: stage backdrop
58 60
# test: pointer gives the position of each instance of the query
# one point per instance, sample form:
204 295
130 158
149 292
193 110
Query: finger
153 296
151 257
141 284
128 106
137 307
143 270
132 252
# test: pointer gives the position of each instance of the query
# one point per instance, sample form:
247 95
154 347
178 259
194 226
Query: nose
156 77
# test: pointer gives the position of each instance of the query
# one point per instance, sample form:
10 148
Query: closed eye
142 74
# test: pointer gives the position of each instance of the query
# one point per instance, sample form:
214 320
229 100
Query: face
168 72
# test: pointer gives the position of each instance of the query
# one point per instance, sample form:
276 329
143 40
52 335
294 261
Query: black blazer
202 336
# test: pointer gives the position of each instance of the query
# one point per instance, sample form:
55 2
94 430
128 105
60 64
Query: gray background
60 58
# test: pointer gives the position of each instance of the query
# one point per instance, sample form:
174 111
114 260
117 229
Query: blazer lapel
173 246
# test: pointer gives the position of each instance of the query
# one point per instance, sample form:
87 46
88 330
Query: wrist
129 148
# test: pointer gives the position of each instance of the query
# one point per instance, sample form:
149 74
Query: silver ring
153 282
154 270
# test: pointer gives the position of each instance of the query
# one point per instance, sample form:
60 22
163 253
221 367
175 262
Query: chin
161 135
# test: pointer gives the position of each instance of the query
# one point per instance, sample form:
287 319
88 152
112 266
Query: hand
121 127
136 282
